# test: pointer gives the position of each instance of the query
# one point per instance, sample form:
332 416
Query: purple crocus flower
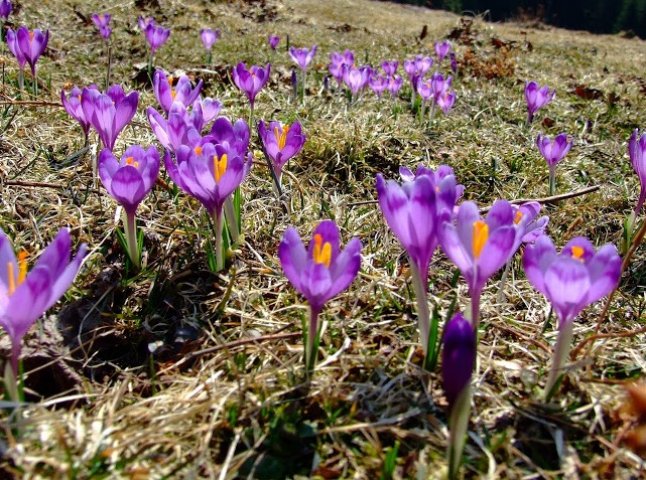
280 143
72 104
479 248
210 173
528 224
176 131
446 100
553 152
25 296
440 85
454 62
273 41
536 97
458 360
637 153
390 67
143 22
204 110
209 36
182 92
395 84
338 63
232 136
102 23
302 56
31 44
356 79
5 9
442 49
250 81
109 113
156 35
417 68
378 83
570 280
319 272
14 48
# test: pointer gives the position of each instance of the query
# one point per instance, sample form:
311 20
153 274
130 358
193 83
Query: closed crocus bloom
109 113
390 67
102 23
273 41
378 84
553 152
32 44
442 49
72 104
395 84
424 89
571 280
319 272
175 131
281 142
156 35
447 190
130 179
355 78
302 56
458 356
12 43
5 9
204 111
182 91
637 153
339 62
250 81
536 97
446 100
232 136
25 295
440 85
479 247
209 37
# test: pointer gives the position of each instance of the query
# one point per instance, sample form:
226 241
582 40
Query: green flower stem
219 249
561 351
458 424
131 239
232 220
423 313
312 343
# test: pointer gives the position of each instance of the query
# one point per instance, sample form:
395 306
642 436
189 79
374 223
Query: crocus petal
128 188
293 257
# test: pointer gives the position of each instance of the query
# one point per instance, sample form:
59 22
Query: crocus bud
458 356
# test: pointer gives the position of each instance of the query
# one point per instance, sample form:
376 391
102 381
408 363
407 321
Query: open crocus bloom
479 247
32 44
281 142
130 179
109 113
302 56
637 153
528 226
356 79
323 270
536 97
576 277
250 81
167 93
25 296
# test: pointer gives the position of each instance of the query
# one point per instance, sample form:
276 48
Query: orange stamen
198 150
131 161
322 253
22 266
219 167
577 252
173 93
480 237
518 217
281 136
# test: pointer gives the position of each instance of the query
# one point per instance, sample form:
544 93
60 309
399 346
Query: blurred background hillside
598 16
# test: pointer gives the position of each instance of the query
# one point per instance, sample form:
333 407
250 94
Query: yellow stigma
281 136
322 251
518 217
577 252
219 167
131 161
14 282
198 150
480 236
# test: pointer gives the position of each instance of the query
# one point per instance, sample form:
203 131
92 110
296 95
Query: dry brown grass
210 401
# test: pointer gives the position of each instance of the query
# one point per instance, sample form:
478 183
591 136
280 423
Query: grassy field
177 372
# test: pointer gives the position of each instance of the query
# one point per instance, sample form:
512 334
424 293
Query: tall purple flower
210 173
458 360
72 104
571 280
430 195
209 36
302 56
5 9
637 153
250 81
102 23
109 113
319 272
25 296
442 49
378 83
27 46
390 67
14 48
356 79
536 97
156 36
553 152
273 41
339 62
479 248
280 143
167 93
446 100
